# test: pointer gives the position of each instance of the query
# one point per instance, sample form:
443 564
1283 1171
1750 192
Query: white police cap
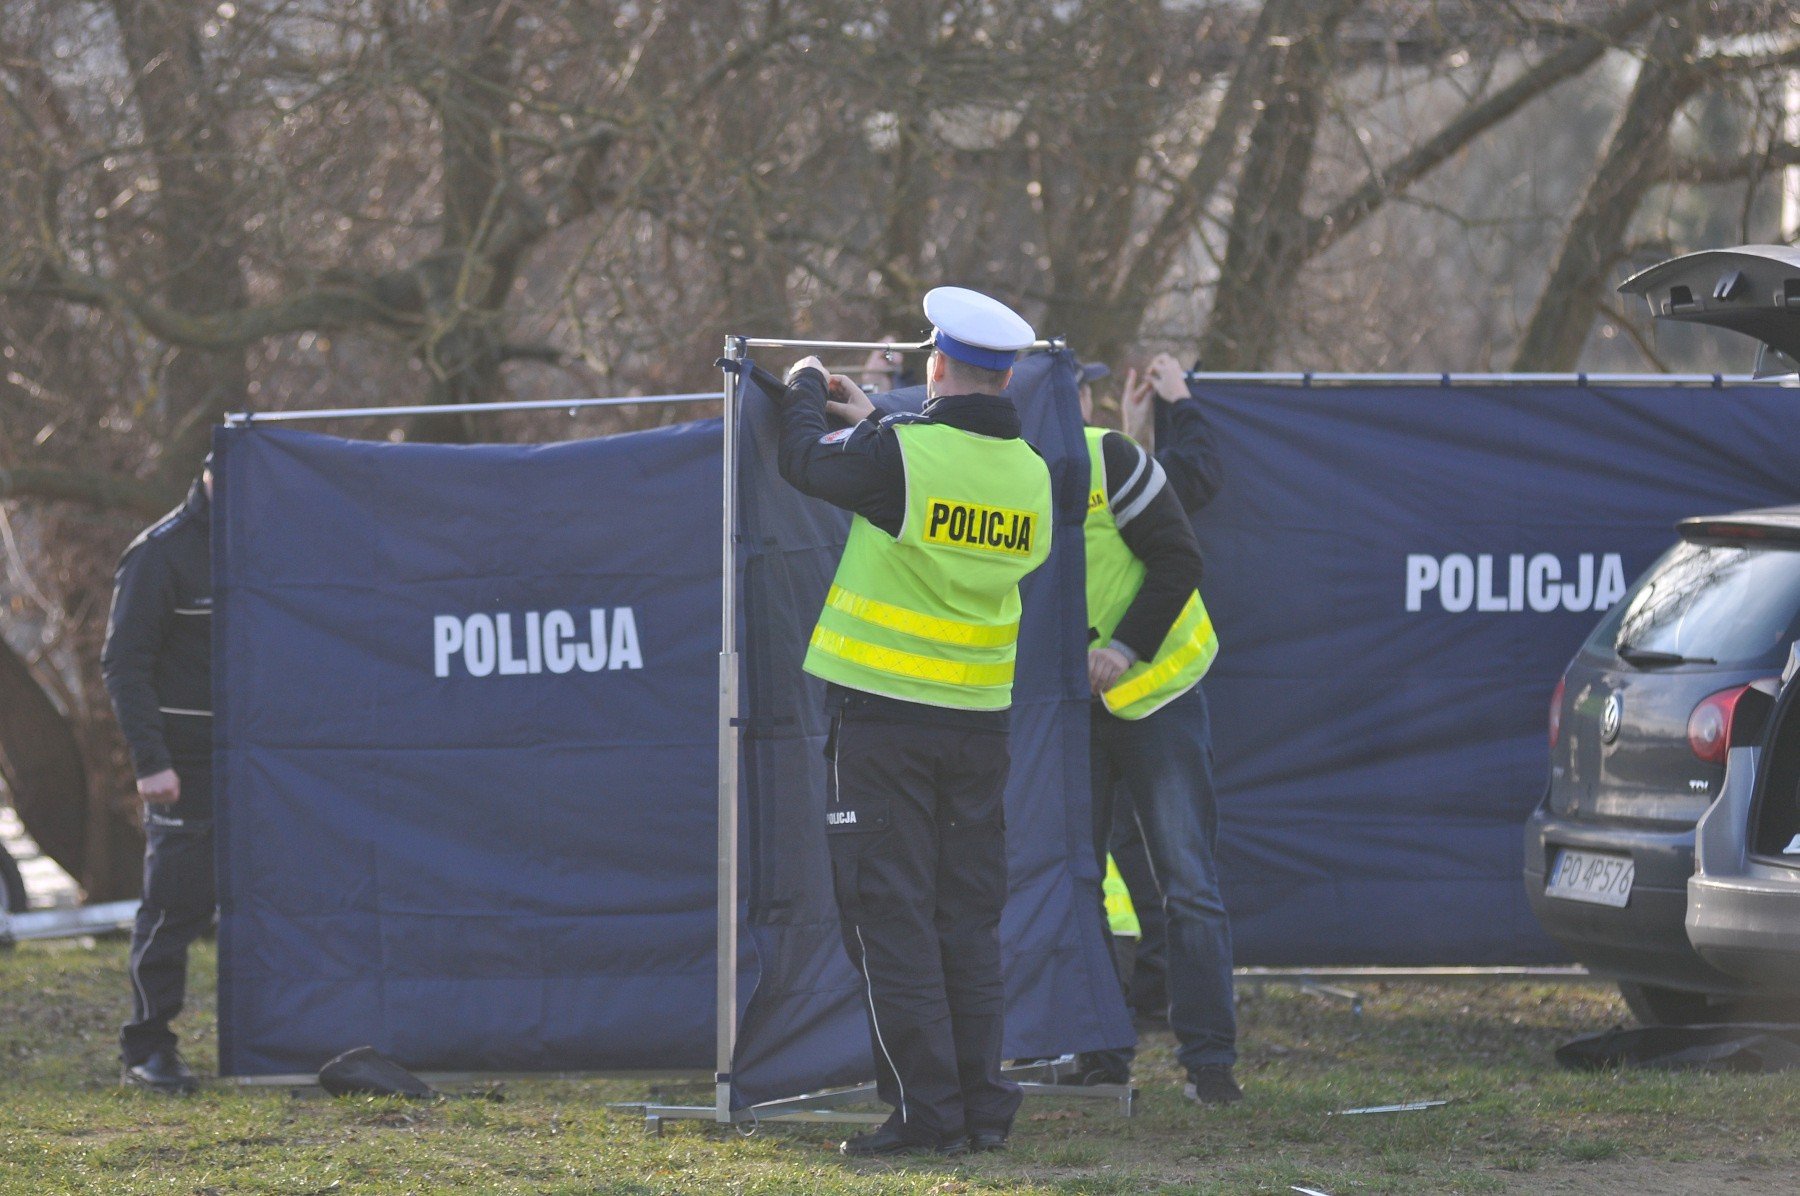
975 329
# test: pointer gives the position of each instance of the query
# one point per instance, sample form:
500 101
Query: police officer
158 668
1151 641
916 644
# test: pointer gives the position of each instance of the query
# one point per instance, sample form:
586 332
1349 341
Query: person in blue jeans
1151 748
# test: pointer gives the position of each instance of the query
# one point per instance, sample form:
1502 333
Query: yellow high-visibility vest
932 616
1114 576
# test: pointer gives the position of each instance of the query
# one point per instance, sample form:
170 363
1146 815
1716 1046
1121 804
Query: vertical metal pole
726 1046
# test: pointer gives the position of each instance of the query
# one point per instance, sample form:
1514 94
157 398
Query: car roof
1780 524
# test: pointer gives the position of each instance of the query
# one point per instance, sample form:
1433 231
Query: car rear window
1728 603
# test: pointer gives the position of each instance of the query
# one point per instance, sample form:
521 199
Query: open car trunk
1752 289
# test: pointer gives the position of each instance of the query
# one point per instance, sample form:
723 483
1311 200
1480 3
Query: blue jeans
1158 771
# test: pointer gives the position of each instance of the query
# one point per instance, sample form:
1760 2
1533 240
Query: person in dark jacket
1153 771
158 668
1161 413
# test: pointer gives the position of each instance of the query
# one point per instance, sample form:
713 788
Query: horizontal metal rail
1424 975
435 1078
237 418
29 925
1034 1079
1308 378
773 342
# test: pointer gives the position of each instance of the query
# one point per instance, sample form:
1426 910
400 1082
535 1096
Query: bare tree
1637 157
264 203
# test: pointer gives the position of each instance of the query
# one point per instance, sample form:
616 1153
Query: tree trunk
906 202
40 760
1266 240
1636 158
189 140
1090 188
486 226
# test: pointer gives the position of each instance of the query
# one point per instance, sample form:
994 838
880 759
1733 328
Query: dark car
1640 727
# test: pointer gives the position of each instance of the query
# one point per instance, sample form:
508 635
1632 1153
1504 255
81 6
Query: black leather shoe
987 1140
1213 1084
164 1072
889 1140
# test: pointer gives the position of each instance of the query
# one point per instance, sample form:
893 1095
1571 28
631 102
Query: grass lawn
1515 1123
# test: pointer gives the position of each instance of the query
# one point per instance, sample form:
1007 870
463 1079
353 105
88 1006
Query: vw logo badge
1609 718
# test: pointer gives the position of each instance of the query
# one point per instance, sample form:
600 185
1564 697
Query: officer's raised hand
1105 667
847 401
160 788
801 366
1135 418
1167 378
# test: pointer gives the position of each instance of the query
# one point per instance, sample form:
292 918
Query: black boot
164 1071
888 1139
987 1140
1213 1084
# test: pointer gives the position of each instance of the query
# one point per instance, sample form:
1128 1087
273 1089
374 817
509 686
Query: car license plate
1593 877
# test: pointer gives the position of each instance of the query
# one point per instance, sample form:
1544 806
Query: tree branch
1633 160
1729 65
1477 119
323 308
1218 150
521 351
106 491
1729 169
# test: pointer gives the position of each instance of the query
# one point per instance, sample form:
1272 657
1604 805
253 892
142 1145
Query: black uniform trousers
917 831
179 898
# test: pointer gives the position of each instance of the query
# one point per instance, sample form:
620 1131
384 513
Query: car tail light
1709 727
1556 710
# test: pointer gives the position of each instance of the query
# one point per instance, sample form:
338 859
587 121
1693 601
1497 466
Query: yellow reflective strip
1121 915
910 664
1202 642
925 627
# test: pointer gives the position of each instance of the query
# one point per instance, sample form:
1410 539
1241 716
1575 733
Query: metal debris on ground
1409 1107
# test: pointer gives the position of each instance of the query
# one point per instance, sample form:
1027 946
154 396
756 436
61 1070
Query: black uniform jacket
1184 446
158 656
861 470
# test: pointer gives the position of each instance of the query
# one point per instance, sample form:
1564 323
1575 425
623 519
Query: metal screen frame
1310 378
817 1106
239 419
242 419
821 1106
